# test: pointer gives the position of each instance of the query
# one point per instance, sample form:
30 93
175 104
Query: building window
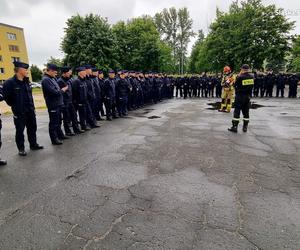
13 48
11 36
1 70
1 58
15 59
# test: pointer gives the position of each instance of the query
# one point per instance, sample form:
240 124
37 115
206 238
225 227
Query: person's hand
64 89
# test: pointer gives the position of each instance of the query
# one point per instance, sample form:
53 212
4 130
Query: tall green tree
295 62
195 52
175 28
249 33
185 33
90 40
139 46
36 73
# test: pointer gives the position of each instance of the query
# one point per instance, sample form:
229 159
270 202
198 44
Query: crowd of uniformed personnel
265 84
77 100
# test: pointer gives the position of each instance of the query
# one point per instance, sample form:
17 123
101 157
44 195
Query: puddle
154 117
217 105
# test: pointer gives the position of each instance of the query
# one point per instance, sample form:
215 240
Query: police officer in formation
18 95
53 95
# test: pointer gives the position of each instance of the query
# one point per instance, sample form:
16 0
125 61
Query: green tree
36 73
185 33
195 52
56 61
90 40
295 62
175 28
139 46
249 33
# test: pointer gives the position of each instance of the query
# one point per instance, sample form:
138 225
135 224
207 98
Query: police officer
2 162
243 90
280 85
293 85
122 92
101 84
18 95
68 110
90 106
79 91
97 88
54 101
110 96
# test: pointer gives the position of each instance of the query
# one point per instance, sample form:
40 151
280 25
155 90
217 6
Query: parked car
35 85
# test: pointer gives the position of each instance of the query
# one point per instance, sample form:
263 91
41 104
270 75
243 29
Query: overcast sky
44 20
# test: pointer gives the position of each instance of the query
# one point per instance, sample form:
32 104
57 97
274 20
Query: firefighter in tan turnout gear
228 90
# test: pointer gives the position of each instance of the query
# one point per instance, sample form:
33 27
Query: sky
44 20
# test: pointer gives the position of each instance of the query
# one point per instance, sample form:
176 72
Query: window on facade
11 36
1 70
15 59
13 48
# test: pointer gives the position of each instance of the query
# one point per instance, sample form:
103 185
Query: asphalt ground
169 176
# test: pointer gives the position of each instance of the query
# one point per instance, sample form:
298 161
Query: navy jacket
122 88
109 89
52 92
63 82
18 95
90 88
79 90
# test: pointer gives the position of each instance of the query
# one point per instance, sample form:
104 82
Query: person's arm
7 92
50 89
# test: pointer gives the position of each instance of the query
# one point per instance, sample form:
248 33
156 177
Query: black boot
234 127
3 162
36 147
22 152
57 142
245 126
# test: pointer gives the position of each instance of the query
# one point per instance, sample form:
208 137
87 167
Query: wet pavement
168 177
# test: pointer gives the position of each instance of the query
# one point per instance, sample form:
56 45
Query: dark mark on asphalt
154 117
217 105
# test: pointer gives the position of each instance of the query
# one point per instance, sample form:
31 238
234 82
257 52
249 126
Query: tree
139 46
249 33
175 28
36 73
167 25
56 61
295 62
185 24
90 40
195 52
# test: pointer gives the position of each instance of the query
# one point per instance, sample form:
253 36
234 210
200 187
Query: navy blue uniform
18 95
54 101
79 91
68 110
122 92
97 102
110 98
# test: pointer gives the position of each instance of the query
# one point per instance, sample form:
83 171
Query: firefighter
243 89
228 90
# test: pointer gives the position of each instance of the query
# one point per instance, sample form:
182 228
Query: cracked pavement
178 181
